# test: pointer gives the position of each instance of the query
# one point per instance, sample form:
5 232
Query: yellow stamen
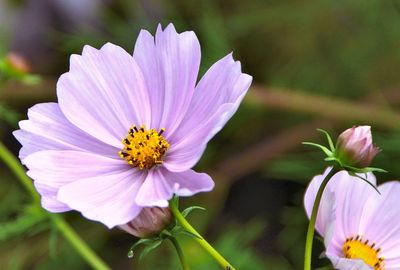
356 248
144 148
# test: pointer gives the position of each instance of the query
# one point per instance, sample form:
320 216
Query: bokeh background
316 64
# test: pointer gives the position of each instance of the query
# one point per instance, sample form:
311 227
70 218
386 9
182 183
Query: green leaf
190 234
188 210
328 137
323 148
23 224
165 234
30 79
363 170
150 247
373 169
365 180
9 115
53 239
136 245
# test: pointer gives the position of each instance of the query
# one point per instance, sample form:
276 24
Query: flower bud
17 62
150 222
354 147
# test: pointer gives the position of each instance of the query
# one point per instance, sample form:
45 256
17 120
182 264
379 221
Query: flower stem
203 243
14 165
69 234
80 246
182 259
313 219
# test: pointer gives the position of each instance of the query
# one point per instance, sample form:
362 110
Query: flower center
144 148
356 248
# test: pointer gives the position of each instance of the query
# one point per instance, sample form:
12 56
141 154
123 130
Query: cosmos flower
355 148
150 222
127 130
361 228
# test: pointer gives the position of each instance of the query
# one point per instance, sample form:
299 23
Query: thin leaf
364 170
188 210
164 234
23 224
9 115
373 169
365 180
150 247
328 137
323 148
137 244
187 233
53 240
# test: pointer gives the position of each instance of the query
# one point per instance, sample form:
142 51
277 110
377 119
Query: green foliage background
322 51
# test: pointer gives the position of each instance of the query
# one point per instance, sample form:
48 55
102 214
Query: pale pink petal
216 98
104 93
326 211
48 129
348 264
49 199
190 149
161 185
354 201
56 168
105 198
170 65
52 169
383 226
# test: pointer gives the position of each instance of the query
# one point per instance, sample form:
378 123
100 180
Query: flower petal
57 168
49 199
105 198
383 226
161 185
185 155
348 264
104 93
52 169
48 129
170 65
354 201
326 211
216 99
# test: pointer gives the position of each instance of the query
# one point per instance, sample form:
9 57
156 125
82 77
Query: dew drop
130 254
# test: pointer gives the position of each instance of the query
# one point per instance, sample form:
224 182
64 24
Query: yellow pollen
144 148
356 248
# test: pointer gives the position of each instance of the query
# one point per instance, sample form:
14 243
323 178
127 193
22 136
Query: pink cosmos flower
361 228
127 130
151 221
354 146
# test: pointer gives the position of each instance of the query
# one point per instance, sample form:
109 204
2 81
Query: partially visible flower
361 228
127 130
354 147
15 67
150 222
17 62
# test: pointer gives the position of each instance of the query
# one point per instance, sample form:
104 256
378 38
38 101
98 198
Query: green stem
80 246
69 234
182 259
203 243
313 219
14 165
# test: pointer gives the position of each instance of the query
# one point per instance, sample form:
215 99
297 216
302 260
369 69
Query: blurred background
316 64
